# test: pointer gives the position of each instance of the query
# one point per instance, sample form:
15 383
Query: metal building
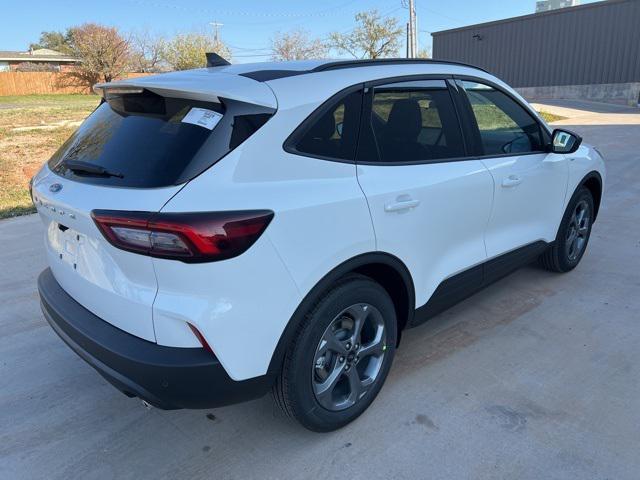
589 51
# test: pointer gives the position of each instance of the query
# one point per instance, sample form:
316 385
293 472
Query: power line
253 55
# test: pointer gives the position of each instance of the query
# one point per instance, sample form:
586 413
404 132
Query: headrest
325 127
405 120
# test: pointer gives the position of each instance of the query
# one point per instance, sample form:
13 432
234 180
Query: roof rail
340 64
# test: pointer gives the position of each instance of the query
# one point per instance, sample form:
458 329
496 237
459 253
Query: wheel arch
593 182
386 269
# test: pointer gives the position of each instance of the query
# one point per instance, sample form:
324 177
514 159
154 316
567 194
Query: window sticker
202 117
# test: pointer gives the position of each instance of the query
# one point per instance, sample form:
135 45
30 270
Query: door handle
401 205
511 181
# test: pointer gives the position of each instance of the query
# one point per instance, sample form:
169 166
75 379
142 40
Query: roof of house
39 55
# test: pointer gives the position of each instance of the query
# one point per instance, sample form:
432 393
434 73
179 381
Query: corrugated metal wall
590 44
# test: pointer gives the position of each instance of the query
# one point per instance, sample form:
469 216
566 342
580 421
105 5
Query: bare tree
373 37
102 51
146 52
188 51
296 45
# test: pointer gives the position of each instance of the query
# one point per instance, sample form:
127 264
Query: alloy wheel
349 357
577 231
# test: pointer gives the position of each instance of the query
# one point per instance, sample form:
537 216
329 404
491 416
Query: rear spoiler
208 85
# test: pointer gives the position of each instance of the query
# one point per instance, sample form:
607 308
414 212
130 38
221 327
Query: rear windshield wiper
78 166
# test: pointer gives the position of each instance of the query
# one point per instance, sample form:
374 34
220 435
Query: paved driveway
536 377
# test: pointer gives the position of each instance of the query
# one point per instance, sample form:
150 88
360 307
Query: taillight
189 237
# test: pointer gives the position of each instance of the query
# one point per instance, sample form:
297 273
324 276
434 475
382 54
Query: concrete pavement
589 113
538 376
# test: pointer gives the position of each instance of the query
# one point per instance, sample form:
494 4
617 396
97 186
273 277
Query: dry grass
32 127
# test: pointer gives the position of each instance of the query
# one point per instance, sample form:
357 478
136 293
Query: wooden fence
28 83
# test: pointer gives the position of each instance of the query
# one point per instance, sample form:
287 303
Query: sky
247 26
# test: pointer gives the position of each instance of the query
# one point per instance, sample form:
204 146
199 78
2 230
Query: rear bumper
165 377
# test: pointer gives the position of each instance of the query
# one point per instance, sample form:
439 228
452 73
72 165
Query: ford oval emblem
55 187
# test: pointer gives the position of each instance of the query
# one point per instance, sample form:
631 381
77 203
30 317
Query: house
36 60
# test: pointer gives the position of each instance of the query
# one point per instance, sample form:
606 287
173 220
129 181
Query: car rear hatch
147 138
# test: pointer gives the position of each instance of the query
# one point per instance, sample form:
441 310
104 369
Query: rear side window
332 131
146 141
504 125
414 122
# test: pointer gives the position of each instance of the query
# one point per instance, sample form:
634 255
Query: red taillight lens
190 237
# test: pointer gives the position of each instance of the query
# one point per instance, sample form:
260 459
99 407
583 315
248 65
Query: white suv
217 233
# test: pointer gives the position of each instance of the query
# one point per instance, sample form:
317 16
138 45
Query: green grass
32 127
550 117
491 117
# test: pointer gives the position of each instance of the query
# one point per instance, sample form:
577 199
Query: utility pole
408 41
215 26
416 35
413 40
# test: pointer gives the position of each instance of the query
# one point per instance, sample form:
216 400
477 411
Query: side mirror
564 141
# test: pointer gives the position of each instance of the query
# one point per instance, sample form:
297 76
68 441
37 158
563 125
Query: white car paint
521 214
443 233
115 285
326 213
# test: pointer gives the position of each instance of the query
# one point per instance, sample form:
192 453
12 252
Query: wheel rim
578 231
349 357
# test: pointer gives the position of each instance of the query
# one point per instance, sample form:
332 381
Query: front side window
505 126
333 132
414 122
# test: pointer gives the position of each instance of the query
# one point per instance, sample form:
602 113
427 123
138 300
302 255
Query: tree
296 45
58 41
146 53
188 51
102 52
374 37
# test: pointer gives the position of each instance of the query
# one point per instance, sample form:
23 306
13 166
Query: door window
413 121
505 126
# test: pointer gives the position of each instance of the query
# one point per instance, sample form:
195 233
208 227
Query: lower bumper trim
165 377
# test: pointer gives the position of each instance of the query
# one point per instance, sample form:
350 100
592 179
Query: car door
530 183
429 202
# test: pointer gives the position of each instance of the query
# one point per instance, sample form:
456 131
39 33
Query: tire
573 235
330 374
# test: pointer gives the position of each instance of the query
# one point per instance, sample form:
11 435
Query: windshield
146 141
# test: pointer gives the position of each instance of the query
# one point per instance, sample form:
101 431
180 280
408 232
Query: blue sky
248 25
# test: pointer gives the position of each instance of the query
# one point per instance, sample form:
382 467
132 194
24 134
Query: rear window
144 140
